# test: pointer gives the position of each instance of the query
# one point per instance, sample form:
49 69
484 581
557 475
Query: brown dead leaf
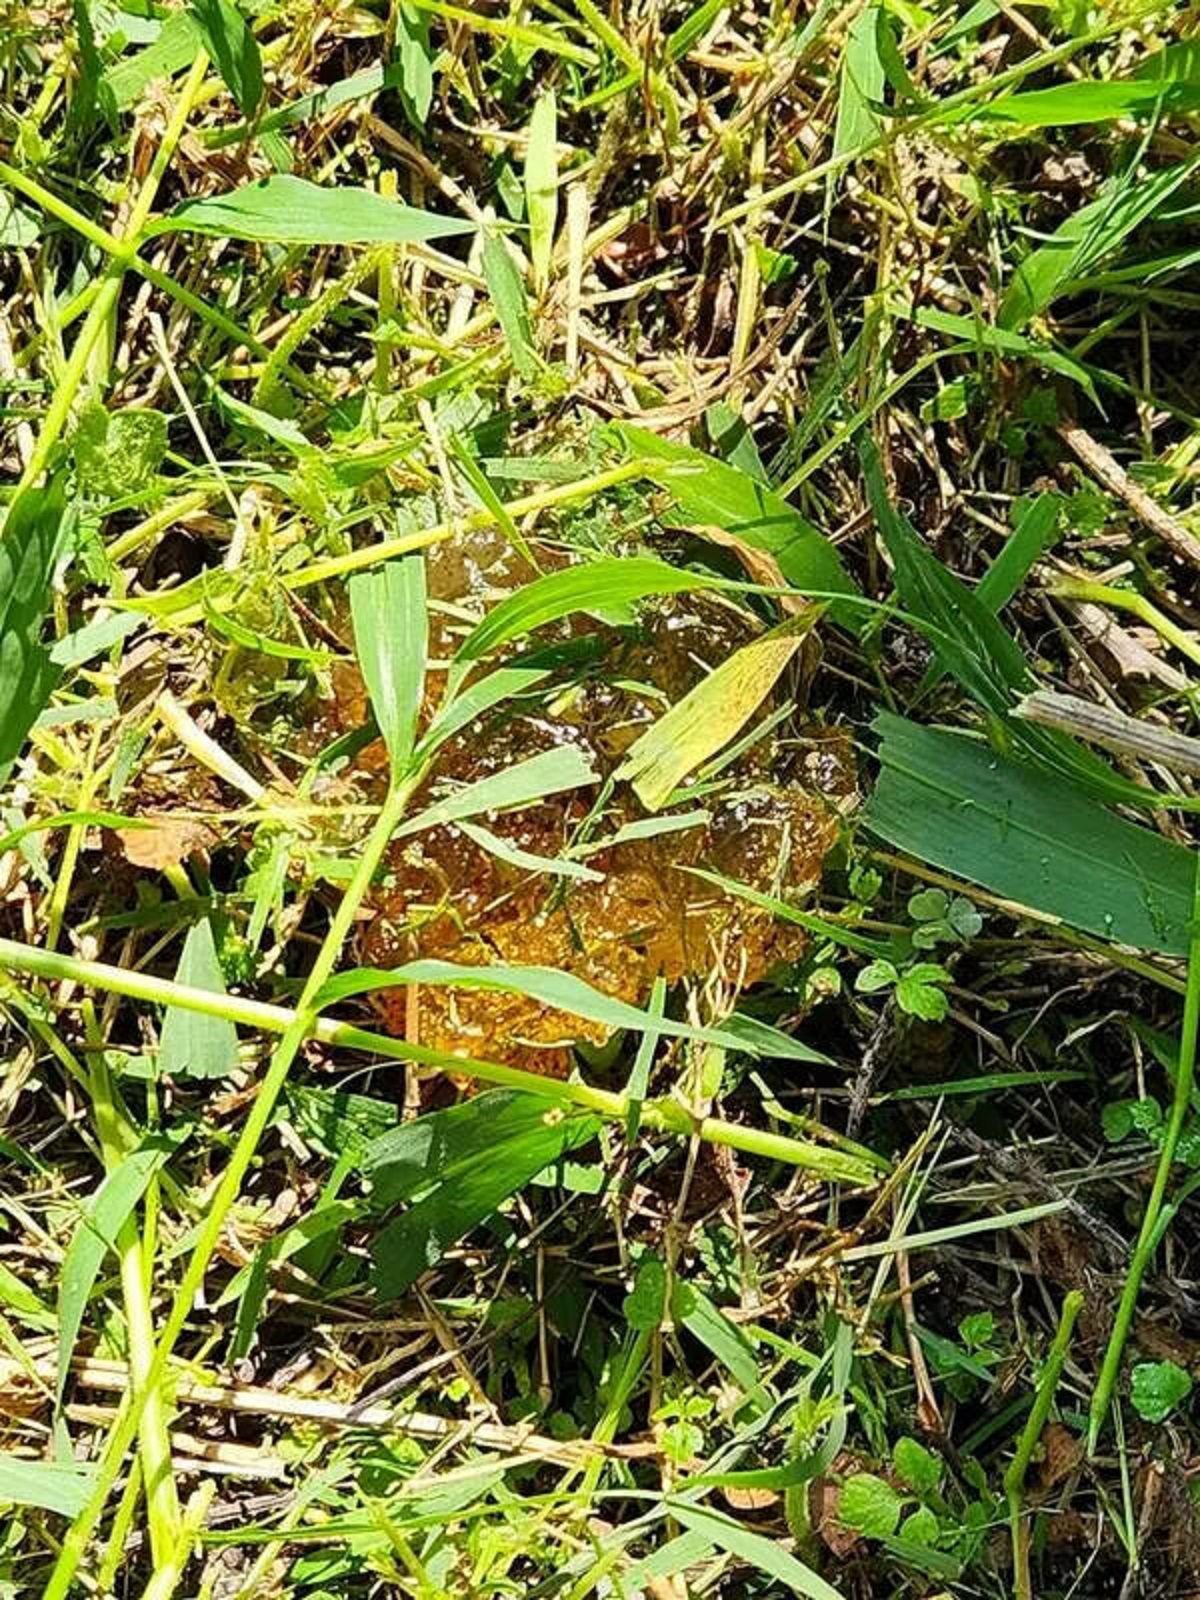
21 1395
1068 1530
749 1499
1061 1454
165 843
824 1496
761 566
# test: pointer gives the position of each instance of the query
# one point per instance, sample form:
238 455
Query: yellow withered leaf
706 718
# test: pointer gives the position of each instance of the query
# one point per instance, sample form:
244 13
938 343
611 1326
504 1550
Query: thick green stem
665 1116
1150 1233
1014 1477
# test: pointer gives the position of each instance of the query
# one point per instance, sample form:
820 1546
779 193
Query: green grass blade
764 1555
591 587
706 719
711 493
549 772
512 307
234 50
541 187
1029 837
289 210
388 607
60 1486
28 675
94 1236
467 1160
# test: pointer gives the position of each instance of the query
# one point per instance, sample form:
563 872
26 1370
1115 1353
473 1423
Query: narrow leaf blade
1029 837
706 719
94 1234
193 1045
388 607
288 210
234 49
550 772
541 186
28 676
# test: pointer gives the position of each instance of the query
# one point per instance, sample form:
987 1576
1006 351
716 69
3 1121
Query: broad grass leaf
549 986
406 1161
388 608
549 772
711 493
28 676
591 587
338 1122
706 719
1085 238
1027 836
860 83
764 1555
234 50
512 307
1070 104
94 1235
193 1045
416 63
723 1339
526 860
178 40
61 1486
288 210
541 186
456 1167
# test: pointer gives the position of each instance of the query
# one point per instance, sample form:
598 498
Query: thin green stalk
118 1534
605 1430
55 206
162 1502
1106 594
104 304
1014 1477
311 318
663 1115
1150 1233
384 549
300 1027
